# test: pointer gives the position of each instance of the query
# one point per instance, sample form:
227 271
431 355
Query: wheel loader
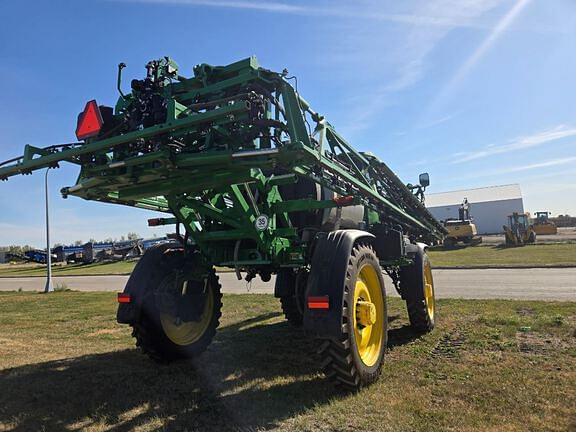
519 232
252 179
542 225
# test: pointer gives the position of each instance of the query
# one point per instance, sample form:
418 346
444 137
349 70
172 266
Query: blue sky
476 92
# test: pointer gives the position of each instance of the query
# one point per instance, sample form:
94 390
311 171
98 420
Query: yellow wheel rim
368 315
429 290
186 333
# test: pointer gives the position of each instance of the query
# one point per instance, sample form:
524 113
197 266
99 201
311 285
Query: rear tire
292 285
163 335
355 359
417 287
291 312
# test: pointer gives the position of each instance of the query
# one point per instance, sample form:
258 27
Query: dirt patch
449 346
539 344
9 344
525 311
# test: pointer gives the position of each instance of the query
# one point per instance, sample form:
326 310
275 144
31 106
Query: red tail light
320 302
124 298
154 222
89 121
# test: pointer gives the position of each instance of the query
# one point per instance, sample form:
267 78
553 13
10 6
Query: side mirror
424 180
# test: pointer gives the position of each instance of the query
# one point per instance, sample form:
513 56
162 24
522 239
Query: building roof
491 193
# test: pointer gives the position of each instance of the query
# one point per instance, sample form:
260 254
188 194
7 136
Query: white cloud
545 164
520 143
263 6
395 65
436 122
405 63
504 24
435 17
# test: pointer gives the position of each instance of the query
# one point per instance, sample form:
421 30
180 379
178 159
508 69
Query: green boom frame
229 139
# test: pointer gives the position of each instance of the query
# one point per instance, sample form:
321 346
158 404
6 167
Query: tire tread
337 358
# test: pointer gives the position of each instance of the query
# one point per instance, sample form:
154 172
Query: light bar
124 298
319 302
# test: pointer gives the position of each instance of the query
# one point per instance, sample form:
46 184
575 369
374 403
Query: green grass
489 365
553 254
106 268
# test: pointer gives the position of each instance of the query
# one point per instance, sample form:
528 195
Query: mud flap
327 276
129 313
413 250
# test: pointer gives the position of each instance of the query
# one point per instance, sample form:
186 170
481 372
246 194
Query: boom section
217 149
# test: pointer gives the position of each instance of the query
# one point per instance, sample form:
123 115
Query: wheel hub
429 291
365 313
368 315
183 299
185 307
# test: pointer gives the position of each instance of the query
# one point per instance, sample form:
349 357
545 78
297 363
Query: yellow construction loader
462 229
519 232
542 225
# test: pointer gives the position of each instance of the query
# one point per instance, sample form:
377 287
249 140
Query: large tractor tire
355 358
292 286
180 313
417 287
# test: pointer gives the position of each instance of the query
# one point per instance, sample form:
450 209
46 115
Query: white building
489 206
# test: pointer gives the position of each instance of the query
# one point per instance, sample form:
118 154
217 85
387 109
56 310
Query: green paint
221 148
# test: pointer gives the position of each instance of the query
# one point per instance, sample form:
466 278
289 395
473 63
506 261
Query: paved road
521 284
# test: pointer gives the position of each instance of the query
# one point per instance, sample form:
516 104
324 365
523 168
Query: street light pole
49 287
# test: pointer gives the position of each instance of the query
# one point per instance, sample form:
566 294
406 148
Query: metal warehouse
489 206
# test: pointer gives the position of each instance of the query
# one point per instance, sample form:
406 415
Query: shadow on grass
253 376
401 336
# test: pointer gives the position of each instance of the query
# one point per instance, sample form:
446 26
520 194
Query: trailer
254 180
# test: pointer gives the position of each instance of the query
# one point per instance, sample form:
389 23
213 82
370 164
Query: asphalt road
521 284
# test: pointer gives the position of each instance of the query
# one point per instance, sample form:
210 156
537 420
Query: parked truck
257 181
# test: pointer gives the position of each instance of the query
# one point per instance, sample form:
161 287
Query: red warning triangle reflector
89 121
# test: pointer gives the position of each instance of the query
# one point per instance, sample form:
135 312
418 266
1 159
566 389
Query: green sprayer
256 181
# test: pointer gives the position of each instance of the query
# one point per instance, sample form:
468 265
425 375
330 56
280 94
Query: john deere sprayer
257 181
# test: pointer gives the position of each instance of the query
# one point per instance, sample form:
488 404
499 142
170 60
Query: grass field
107 268
559 254
489 366
549 254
